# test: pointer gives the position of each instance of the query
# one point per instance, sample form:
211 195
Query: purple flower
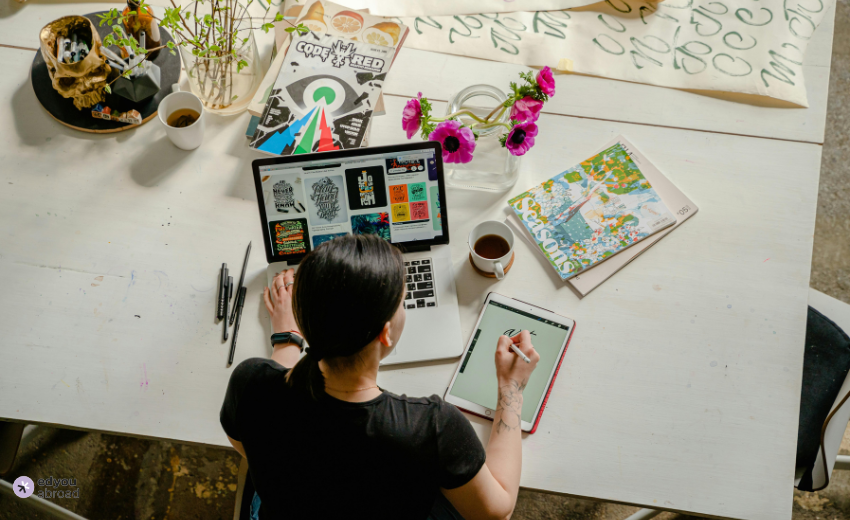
458 142
410 117
521 138
526 109
546 81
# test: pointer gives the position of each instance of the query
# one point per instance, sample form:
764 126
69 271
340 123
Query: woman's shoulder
432 405
253 370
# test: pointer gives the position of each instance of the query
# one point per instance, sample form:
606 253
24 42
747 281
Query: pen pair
225 294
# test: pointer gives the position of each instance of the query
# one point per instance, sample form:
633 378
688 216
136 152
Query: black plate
64 111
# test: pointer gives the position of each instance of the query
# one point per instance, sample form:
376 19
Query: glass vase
219 82
492 168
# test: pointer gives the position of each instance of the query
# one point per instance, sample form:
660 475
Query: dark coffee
183 117
491 247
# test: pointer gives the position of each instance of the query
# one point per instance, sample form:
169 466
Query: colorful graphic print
435 208
321 239
592 211
419 211
416 191
401 212
398 193
324 201
371 224
366 187
290 237
396 166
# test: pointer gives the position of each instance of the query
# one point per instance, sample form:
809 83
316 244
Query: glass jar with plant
215 39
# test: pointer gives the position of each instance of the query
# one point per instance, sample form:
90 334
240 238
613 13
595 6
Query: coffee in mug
491 247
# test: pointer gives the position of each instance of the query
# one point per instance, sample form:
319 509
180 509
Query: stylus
519 353
240 301
241 279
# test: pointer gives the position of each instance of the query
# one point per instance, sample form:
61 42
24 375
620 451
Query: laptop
396 192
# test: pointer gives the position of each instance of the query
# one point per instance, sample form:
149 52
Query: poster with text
325 203
366 187
290 238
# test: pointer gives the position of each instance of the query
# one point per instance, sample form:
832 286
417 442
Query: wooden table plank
683 375
440 75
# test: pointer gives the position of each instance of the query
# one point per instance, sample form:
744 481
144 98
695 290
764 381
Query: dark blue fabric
825 365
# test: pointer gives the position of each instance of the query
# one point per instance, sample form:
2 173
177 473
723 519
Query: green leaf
278 17
266 26
108 89
170 45
241 64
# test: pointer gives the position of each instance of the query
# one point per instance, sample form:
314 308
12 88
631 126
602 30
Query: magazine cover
324 96
592 211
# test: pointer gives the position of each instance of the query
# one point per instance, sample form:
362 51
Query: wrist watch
288 337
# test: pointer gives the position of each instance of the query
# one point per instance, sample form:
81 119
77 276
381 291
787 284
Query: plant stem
136 65
503 107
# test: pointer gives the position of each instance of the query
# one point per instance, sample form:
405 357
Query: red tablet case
548 390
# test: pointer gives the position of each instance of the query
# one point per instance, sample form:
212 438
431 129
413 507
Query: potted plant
215 40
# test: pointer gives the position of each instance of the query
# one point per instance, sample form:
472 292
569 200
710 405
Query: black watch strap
288 337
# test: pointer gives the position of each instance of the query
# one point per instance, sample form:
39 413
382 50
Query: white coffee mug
492 265
187 137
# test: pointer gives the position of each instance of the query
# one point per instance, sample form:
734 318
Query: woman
323 441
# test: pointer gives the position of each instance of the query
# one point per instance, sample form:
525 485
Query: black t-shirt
384 458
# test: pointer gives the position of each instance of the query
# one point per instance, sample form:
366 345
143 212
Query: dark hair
345 291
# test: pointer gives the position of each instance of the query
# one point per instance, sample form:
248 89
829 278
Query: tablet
474 387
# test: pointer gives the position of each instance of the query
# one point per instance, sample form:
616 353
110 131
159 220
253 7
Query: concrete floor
127 478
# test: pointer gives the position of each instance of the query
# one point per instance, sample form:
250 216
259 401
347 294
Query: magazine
322 16
324 96
589 213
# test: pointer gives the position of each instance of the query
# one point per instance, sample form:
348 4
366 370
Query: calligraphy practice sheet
452 7
748 46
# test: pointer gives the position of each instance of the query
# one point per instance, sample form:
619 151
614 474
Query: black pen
222 291
226 301
241 280
240 301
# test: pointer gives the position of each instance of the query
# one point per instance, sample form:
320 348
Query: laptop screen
395 192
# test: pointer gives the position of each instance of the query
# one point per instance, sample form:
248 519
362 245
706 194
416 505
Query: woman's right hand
279 302
511 367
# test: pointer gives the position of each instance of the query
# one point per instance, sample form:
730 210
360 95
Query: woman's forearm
504 451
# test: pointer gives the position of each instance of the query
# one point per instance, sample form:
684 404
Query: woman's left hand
279 302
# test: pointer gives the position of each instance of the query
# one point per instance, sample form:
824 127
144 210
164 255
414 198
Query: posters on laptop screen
394 196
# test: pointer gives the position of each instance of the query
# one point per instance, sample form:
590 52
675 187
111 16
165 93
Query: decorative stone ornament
84 80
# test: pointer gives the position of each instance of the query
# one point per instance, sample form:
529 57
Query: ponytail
363 275
307 375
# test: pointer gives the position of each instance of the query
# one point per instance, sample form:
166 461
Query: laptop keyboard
419 277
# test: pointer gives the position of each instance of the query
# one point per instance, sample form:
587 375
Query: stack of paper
593 219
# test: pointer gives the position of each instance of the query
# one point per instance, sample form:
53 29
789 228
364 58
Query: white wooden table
681 386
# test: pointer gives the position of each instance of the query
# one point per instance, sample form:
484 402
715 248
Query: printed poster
435 208
371 224
398 193
366 187
289 237
324 200
321 239
284 195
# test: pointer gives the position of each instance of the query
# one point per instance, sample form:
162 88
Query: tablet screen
476 379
